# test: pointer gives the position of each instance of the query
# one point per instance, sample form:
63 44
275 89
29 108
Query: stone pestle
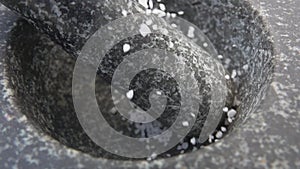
73 23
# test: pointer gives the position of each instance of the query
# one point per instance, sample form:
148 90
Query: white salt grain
193 141
225 109
129 94
231 113
162 7
180 13
144 30
126 48
185 123
219 134
191 31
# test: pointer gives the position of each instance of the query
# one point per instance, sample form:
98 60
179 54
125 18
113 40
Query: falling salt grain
185 123
231 113
219 134
144 30
129 94
205 45
158 93
126 48
193 141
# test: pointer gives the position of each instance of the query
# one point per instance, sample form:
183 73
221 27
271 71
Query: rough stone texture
269 139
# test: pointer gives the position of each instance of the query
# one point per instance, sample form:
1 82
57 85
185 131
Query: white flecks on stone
225 109
150 4
130 94
193 141
180 13
124 12
185 123
205 44
231 113
162 7
191 32
233 74
158 93
174 25
219 134
229 120
227 77
144 30
173 15
144 3
220 56
126 48
223 129
171 44
193 115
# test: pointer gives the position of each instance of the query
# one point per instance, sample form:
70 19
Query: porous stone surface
268 139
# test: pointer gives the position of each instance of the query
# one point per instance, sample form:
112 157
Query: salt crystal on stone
162 7
223 129
231 113
191 32
129 94
220 56
185 123
143 3
126 47
180 13
144 30
227 77
193 141
124 13
205 45
225 109
219 134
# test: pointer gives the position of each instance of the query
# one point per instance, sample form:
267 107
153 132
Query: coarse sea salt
126 48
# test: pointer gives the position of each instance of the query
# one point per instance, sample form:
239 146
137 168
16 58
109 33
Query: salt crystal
180 13
225 109
124 13
220 56
126 48
129 94
231 113
193 141
191 32
205 44
144 30
223 129
162 7
219 134
185 123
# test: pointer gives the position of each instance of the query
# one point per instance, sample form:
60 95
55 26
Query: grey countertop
270 138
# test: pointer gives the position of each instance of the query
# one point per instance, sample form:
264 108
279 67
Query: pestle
71 24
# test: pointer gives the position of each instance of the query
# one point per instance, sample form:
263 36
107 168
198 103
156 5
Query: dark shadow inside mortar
40 72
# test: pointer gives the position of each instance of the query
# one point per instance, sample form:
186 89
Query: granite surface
268 139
